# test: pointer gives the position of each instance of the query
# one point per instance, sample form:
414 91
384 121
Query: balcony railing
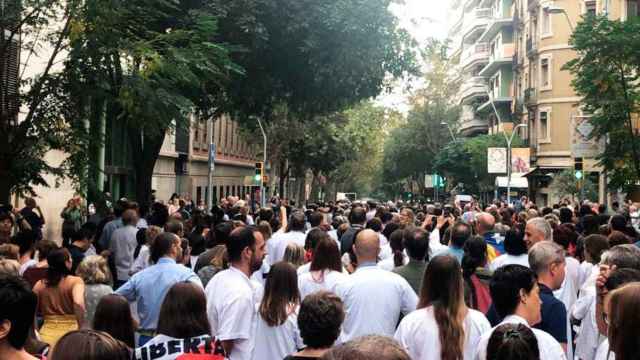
532 47
475 52
505 51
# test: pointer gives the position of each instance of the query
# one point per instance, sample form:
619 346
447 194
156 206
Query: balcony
530 97
470 124
476 53
532 47
499 21
503 55
475 23
473 88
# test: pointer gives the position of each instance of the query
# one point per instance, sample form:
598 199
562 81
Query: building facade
512 52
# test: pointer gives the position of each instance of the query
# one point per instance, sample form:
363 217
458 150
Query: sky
423 19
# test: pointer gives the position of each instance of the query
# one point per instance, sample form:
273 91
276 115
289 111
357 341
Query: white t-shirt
584 309
374 299
418 334
231 301
603 352
507 259
388 263
277 245
549 347
568 292
142 261
163 347
304 269
274 343
328 280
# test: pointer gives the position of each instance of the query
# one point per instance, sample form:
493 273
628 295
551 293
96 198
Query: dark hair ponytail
396 242
57 270
475 255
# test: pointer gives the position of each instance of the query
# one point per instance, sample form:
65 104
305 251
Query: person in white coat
443 327
373 298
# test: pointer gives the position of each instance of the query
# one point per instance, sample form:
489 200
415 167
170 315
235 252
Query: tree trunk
283 175
145 150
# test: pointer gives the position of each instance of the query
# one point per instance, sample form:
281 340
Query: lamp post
509 141
443 123
553 10
264 163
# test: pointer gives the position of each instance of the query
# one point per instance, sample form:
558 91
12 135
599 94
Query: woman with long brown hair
113 316
624 322
325 272
277 334
442 327
182 326
60 298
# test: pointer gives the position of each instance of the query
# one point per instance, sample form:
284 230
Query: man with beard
149 286
232 295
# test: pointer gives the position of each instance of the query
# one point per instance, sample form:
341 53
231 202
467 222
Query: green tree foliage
565 184
606 74
27 27
410 149
150 65
316 57
465 161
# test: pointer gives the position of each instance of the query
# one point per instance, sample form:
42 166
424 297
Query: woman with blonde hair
94 270
442 327
294 255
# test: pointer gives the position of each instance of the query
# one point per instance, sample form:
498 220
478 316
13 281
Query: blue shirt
107 231
496 241
554 315
149 286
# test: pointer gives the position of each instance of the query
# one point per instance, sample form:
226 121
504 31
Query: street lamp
450 131
554 10
509 141
264 163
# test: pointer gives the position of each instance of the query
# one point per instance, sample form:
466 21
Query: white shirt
584 309
328 280
374 299
277 245
419 335
142 261
434 243
549 347
26 265
507 259
568 292
173 348
388 263
603 351
274 343
231 301
304 269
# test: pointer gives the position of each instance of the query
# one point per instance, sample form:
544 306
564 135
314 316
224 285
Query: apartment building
512 52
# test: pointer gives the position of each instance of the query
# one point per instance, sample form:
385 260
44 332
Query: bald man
373 298
485 223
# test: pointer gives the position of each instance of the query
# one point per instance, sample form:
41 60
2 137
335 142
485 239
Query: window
545 24
544 126
545 73
590 7
633 8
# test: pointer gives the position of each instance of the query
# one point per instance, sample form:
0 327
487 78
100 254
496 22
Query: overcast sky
423 19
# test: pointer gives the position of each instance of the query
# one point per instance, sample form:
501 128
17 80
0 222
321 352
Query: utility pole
212 165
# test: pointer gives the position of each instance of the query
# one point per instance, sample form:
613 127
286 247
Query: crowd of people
340 280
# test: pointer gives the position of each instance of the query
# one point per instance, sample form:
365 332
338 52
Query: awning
517 182
543 171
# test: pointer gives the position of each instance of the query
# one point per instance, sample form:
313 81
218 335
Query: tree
32 30
465 161
410 149
315 57
606 75
565 184
149 65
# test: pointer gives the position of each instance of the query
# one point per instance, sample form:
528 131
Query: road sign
428 182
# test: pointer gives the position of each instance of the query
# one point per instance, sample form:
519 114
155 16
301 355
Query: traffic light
259 171
577 167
